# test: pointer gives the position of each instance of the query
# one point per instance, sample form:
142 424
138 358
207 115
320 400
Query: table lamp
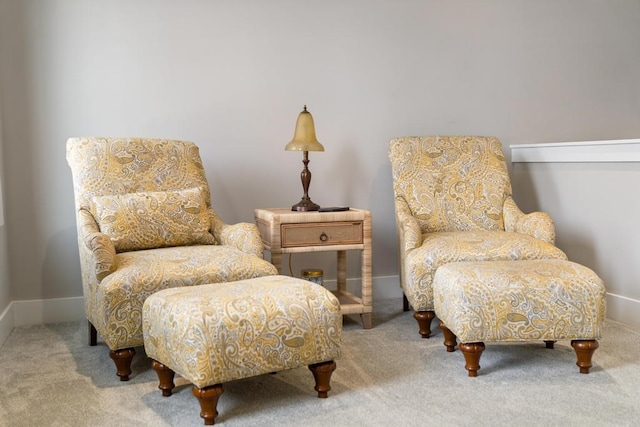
304 139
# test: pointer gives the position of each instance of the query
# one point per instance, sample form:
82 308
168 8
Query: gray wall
233 75
4 257
596 209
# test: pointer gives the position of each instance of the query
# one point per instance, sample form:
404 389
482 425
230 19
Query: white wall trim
383 287
621 150
38 312
43 311
56 310
6 323
35 312
627 310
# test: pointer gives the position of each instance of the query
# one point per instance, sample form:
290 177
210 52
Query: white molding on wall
627 309
57 310
38 312
35 312
6 323
43 311
620 150
384 288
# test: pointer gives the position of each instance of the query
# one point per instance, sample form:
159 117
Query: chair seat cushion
120 295
520 301
216 333
445 247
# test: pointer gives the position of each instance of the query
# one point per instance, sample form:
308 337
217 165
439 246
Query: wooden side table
285 232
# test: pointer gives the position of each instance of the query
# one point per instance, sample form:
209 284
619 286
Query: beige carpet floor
388 376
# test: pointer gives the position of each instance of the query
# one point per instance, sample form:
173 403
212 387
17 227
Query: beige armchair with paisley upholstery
145 223
453 203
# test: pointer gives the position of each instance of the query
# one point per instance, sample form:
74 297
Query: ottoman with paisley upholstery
510 301
215 333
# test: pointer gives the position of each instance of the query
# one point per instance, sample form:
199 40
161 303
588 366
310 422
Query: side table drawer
321 234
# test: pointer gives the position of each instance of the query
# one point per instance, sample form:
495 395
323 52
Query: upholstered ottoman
502 301
212 334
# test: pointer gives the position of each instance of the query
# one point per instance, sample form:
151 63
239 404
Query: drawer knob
323 237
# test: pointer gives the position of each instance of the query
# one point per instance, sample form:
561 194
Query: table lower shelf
351 304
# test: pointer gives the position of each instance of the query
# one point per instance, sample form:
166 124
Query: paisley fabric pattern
243 236
155 219
103 261
453 203
520 301
442 248
108 166
120 296
535 224
115 285
212 334
451 183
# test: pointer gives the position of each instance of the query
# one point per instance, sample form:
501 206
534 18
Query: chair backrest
451 183
115 166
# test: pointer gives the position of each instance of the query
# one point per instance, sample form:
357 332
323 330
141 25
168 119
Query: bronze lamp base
305 205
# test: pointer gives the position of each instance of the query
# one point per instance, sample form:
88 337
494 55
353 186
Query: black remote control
334 209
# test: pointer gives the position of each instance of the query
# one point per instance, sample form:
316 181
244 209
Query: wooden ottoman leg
472 352
549 344
449 338
165 376
122 358
322 374
424 319
208 398
584 350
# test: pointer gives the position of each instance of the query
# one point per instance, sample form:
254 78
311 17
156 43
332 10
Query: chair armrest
244 236
409 232
535 224
99 245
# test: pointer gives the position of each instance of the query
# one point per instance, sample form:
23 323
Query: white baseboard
56 310
38 312
43 311
6 323
623 309
384 288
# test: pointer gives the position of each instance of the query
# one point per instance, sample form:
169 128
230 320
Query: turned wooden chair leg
584 350
424 319
449 338
322 374
122 358
208 398
165 376
472 352
93 334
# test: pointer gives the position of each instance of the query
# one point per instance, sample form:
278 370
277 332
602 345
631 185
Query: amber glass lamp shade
304 139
